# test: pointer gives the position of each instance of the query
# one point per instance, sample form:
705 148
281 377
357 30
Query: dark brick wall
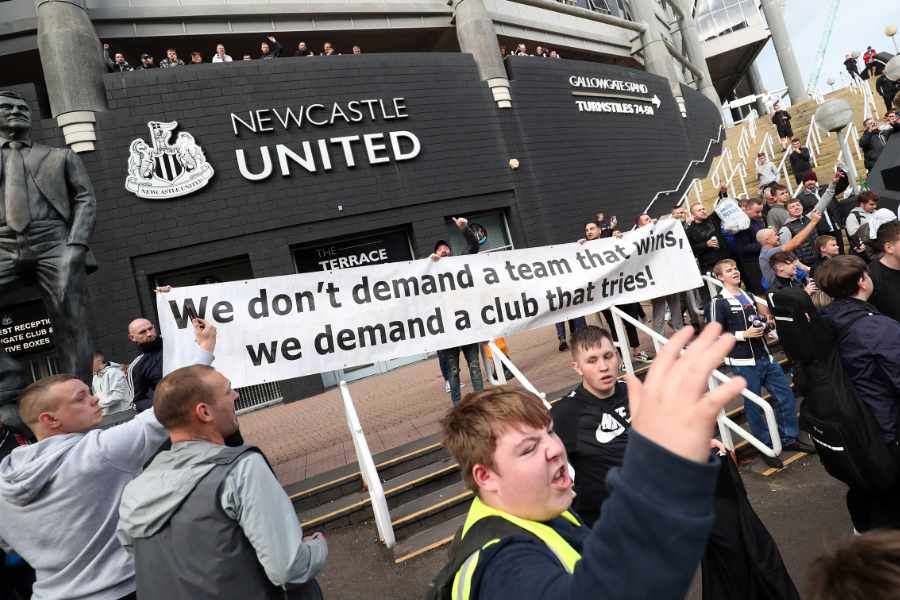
572 164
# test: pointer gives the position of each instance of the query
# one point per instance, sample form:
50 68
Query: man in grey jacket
206 520
59 498
109 385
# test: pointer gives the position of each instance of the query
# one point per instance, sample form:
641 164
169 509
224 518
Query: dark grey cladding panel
450 112
703 121
462 167
581 162
884 178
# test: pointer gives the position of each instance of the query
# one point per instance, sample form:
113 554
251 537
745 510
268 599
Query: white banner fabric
276 328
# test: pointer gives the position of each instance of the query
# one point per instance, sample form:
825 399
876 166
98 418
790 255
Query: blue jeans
451 355
574 325
771 376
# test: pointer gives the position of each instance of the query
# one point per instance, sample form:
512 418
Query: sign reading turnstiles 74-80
607 95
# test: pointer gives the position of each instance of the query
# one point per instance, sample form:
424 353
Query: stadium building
219 172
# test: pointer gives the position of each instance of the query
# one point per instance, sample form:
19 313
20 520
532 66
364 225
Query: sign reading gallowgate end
613 96
25 329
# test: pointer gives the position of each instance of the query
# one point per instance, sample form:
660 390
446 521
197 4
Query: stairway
801 115
425 493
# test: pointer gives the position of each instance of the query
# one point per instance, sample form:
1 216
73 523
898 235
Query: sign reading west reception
25 329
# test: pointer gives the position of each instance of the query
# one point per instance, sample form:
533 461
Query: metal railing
721 167
687 170
497 376
367 470
255 397
738 168
851 135
869 106
695 186
726 425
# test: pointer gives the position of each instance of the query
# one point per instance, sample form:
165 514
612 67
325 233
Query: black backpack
843 429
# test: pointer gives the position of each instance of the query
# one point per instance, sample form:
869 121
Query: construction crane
823 47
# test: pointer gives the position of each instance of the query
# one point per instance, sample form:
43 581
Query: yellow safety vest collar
565 553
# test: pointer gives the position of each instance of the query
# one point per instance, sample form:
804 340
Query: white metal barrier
696 186
497 376
367 469
738 168
851 136
726 425
687 170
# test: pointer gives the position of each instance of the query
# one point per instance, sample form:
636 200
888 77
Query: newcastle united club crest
165 169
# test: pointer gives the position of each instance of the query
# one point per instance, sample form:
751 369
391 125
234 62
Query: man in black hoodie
705 236
870 354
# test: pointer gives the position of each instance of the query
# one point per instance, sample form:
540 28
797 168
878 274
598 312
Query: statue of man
47 212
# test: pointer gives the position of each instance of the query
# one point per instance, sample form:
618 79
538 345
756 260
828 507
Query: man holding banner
450 356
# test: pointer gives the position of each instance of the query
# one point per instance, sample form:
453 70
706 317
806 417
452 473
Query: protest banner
276 328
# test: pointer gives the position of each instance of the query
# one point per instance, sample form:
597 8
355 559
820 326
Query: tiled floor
305 438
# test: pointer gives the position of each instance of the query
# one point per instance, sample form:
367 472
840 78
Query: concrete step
331 485
356 507
429 539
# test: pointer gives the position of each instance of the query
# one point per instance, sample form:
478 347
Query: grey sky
859 23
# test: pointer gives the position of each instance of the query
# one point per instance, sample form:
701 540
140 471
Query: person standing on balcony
782 121
800 159
269 48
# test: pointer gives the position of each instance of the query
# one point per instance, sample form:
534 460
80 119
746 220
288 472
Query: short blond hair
37 398
471 428
719 266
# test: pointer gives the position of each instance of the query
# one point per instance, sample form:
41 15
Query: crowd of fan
269 49
522 50
173 504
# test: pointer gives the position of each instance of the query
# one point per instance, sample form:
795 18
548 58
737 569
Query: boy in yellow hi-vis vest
521 541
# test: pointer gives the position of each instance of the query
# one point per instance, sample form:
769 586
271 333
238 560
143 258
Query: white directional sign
613 96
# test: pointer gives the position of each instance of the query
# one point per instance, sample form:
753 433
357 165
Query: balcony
733 33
